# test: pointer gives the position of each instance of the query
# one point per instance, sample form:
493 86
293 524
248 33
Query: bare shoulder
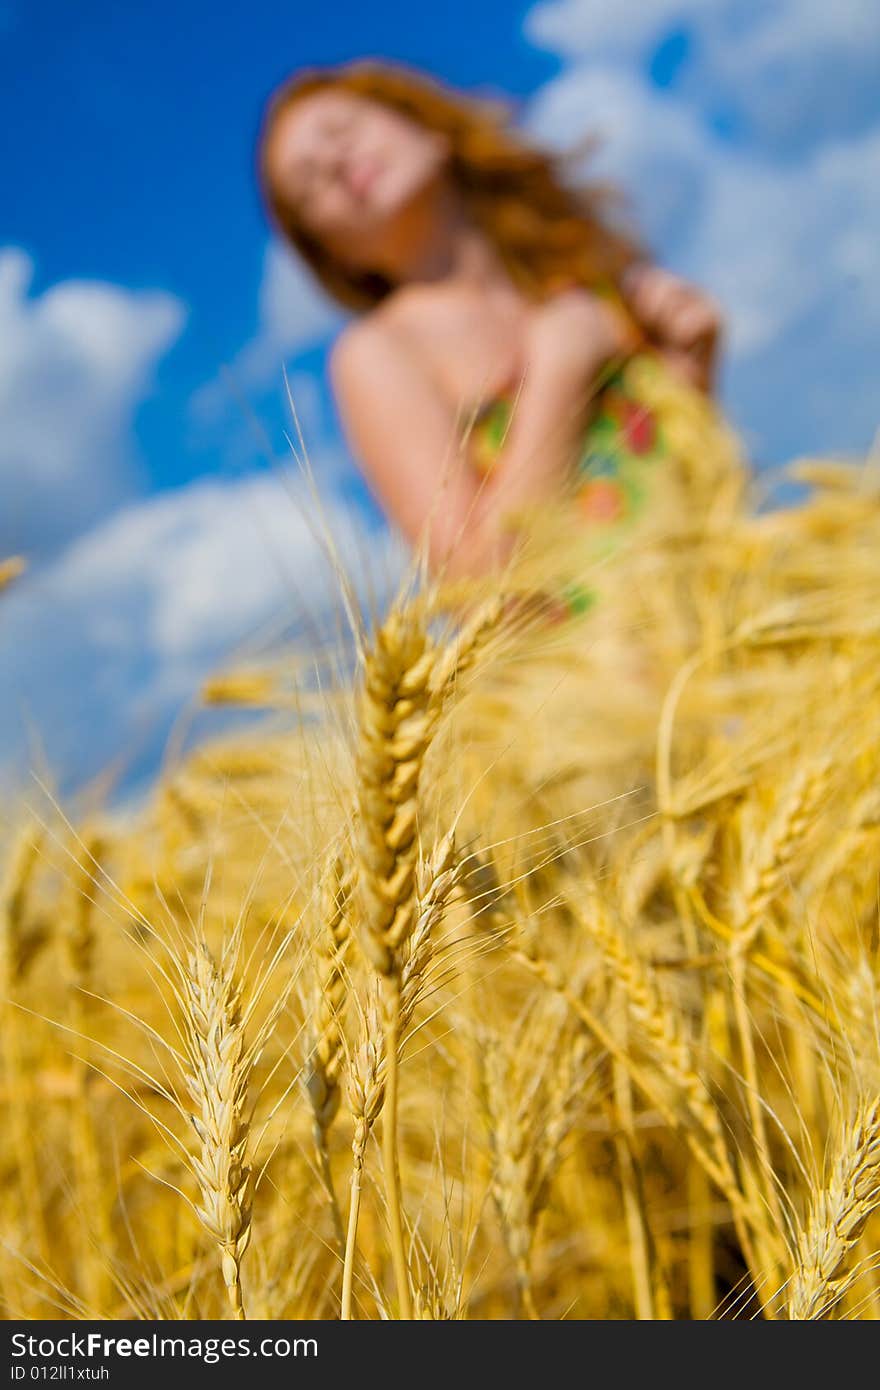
451 339
368 344
355 346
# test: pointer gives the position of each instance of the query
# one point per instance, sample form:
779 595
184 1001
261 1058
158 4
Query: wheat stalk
19 944
397 718
672 1057
23 932
327 1055
80 935
79 941
763 880
368 1077
366 1084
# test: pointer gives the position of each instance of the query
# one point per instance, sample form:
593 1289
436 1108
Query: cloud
293 315
790 74
101 648
583 28
788 244
651 146
75 362
780 244
794 75
131 603
294 311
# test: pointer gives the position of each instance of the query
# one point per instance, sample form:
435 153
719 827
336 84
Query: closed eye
308 173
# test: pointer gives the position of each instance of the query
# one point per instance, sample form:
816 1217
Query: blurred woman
496 307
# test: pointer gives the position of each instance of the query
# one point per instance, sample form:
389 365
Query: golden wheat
624 998
838 1217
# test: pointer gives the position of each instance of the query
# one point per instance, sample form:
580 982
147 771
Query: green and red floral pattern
622 445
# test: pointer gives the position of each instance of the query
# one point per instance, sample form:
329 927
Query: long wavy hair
548 232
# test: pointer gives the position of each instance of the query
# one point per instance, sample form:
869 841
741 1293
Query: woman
480 280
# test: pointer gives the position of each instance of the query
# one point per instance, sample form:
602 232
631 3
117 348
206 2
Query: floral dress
623 448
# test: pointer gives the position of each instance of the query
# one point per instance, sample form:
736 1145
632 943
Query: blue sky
131 151
145 314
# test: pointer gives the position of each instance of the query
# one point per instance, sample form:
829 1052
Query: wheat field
514 968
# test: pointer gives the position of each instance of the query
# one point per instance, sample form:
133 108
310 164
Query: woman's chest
471 342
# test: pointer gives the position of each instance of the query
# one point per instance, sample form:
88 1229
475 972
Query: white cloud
293 314
789 245
104 640
74 364
294 310
796 73
587 28
651 146
781 244
100 648
793 72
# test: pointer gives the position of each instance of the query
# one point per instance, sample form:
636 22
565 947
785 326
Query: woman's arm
404 433
570 339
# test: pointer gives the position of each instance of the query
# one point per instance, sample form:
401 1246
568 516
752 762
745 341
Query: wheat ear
398 713
529 1108
659 1021
649 1008
437 880
514 1163
661 1024
462 653
765 875
397 717
217 1083
763 881
837 1219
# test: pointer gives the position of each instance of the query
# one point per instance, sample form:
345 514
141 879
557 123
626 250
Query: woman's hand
574 333
683 321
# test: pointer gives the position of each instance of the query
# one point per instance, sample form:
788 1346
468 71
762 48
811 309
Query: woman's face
349 168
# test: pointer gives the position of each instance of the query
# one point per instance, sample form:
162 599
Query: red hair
547 232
